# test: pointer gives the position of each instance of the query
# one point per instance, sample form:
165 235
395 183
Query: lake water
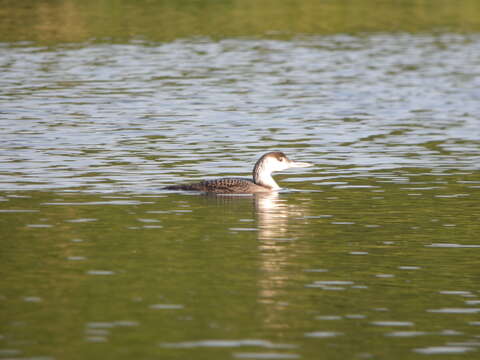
372 253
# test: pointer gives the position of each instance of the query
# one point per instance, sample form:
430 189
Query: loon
262 177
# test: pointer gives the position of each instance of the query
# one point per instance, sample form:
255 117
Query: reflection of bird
262 177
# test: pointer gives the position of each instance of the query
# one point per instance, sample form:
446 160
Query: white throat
266 180
262 176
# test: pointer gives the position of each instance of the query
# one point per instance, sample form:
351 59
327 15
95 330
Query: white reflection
279 222
274 214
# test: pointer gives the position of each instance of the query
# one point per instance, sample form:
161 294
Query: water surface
372 253
73 21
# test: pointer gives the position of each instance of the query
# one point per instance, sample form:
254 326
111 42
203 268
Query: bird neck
263 177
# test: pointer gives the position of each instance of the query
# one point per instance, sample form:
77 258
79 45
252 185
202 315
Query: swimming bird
262 177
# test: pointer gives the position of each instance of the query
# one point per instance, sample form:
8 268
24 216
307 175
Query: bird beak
294 164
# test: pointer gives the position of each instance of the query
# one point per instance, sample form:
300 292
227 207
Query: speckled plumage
222 186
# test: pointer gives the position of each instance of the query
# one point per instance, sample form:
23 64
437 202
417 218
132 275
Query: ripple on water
448 332
409 267
96 339
432 350
355 316
92 203
333 282
9 352
328 317
32 299
228 343
243 229
109 325
97 332
335 285
472 343
472 302
323 334
403 334
447 245
392 323
265 356
100 325
454 292
81 220
100 272
126 323
76 258
166 306
455 310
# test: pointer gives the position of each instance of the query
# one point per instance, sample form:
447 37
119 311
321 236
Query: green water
372 253
106 21
91 276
